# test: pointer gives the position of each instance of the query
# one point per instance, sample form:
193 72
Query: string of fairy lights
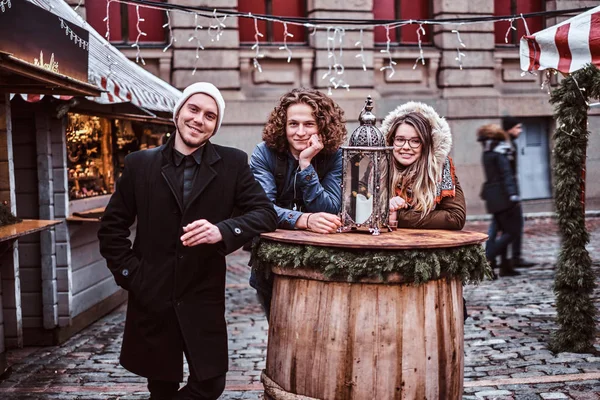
4 4
73 36
335 29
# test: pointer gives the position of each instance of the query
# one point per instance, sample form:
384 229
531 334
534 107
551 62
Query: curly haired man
299 165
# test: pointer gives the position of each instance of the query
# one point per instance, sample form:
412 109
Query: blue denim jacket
323 195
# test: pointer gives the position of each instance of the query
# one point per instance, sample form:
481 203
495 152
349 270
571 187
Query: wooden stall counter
356 316
8 235
25 227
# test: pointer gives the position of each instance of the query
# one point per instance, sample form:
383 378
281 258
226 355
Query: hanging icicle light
172 39
199 46
459 55
420 31
361 55
216 31
4 4
140 33
285 47
256 46
387 52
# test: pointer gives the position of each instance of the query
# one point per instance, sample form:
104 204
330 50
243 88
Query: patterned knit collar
445 188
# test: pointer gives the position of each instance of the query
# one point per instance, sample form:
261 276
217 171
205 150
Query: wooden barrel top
396 240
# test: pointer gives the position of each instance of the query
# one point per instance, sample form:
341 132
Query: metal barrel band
276 392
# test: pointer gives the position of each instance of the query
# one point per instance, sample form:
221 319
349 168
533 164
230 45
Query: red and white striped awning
565 47
34 98
109 69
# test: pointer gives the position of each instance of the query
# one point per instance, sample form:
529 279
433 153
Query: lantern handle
366 117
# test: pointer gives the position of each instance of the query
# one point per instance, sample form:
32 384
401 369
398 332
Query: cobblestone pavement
506 354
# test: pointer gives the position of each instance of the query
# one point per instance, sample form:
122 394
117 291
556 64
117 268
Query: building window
514 7
123 22
402 9
272 31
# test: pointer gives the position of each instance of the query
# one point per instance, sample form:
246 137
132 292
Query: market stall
83 138
572 48
23 69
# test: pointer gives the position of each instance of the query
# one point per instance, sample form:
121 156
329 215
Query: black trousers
510 222
209 389
264 289
516 244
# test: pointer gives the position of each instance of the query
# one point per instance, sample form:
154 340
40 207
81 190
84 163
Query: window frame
398 30
269 32
126 28
514 34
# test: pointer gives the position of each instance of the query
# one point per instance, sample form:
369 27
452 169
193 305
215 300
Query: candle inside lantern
364 208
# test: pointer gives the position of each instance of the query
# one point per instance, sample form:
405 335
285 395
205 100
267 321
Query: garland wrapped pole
574 282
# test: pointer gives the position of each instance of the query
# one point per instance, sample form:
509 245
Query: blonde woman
427 192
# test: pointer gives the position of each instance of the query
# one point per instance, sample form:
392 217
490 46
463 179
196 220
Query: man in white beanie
183 195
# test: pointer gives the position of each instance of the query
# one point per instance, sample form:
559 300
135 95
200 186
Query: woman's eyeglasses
412 143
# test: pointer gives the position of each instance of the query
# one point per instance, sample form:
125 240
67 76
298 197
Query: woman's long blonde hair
418 177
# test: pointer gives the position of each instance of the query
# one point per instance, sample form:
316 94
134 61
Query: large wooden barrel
369 339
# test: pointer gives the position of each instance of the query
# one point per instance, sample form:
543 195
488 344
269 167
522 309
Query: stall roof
565 47
22 77
121 79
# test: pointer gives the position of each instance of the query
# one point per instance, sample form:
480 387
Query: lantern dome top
367 134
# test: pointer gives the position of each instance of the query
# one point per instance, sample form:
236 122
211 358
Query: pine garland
417 266
575 280
6 216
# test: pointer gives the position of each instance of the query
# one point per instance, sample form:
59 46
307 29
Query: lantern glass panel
359 178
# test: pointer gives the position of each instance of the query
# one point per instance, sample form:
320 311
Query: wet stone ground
506 336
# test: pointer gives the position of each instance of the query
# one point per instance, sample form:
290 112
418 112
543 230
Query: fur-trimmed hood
442 138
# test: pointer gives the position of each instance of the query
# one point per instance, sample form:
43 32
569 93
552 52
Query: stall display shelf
93 215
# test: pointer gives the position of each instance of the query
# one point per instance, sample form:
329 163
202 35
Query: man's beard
187 142
192 145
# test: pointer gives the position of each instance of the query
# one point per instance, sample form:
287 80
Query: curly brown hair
328 115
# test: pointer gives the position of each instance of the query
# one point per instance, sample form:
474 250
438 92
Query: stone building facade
487 86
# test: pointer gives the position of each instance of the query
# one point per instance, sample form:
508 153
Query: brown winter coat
177 293
448 214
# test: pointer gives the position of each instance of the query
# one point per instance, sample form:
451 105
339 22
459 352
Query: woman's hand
396 203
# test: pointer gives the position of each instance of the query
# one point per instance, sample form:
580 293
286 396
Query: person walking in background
299 165
183 195
427 192
500 193
513 128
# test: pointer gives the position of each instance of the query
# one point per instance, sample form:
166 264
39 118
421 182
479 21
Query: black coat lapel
168 172
206 172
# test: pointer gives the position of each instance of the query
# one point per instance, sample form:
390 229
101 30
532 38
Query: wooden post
10 300
46 211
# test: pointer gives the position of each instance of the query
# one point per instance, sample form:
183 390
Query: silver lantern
366 177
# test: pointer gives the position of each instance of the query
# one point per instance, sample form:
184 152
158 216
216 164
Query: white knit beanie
208 89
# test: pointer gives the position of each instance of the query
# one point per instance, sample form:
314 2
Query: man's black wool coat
176 293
